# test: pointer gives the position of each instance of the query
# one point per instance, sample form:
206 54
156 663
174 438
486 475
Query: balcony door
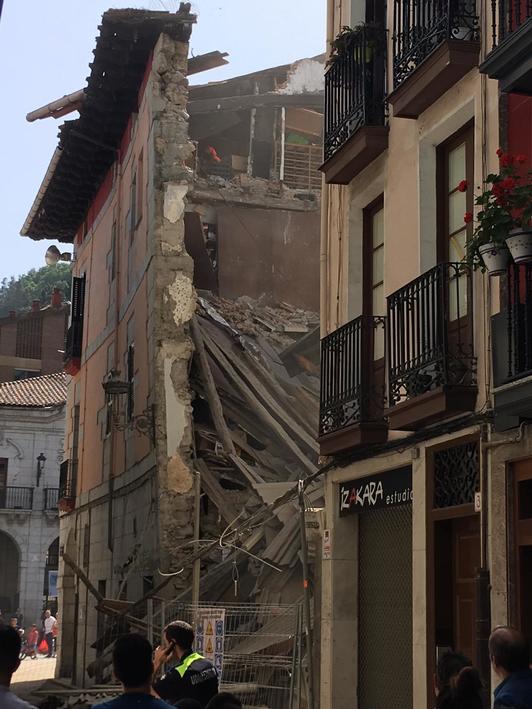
455 188
373 298
3 481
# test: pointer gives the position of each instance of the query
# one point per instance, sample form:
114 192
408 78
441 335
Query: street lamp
41 460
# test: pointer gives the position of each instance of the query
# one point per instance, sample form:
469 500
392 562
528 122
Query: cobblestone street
30 675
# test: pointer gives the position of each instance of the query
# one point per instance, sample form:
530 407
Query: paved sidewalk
30 675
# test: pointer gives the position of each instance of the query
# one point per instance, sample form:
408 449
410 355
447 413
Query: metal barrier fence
257 648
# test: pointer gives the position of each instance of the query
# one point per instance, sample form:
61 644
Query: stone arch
51 564
10 576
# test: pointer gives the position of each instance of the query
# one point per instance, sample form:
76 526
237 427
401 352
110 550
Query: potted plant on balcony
503 220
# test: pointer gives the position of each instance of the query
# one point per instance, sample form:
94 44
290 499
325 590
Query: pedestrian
457 683
9 662
193 676
510 658
33 642
55 633
20 618
133 668
224 700
49 622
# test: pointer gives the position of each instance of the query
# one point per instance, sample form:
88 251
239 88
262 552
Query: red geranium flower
500 152
508 183
468 217
462 186
521 158
506 160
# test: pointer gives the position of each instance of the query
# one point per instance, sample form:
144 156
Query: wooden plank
241 103
261 390
83 577
261 410
215 404
216 493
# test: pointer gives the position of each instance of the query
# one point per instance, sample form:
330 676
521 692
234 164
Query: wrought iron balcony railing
519 322
349 392
51 497
430 333
507 16
420 27
16 498
355 87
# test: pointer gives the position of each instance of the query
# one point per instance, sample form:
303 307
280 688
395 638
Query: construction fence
257 649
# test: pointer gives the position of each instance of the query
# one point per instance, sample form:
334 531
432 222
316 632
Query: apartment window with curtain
455 170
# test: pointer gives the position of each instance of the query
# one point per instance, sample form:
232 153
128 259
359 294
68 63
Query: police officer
192 677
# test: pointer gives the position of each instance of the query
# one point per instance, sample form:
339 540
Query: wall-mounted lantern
41 460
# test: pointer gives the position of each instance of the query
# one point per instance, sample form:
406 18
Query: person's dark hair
181 633
188 704
458 683
510 649
9 649
132 660
224 700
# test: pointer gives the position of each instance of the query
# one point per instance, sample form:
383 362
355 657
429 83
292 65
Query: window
74 340
133 205
140 188
373 299
131 381
454 164
19 374
86 545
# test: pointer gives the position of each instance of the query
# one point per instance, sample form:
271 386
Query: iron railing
16 498
349 394
430 333
355 87
519 321
51 496
74 341
507 16
421 26
67 480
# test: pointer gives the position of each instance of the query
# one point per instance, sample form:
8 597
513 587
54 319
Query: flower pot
496 258
520 244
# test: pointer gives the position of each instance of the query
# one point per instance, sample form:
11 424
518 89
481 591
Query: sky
45 49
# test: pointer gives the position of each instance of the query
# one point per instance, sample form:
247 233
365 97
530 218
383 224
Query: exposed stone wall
171 298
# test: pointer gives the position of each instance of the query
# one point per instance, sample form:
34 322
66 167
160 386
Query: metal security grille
456 475
385 609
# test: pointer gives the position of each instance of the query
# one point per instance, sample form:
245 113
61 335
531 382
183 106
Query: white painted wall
24 435
306 76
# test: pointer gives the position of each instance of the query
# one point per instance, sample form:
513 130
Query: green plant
505 204
344 41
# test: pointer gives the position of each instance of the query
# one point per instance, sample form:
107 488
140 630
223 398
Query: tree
37 284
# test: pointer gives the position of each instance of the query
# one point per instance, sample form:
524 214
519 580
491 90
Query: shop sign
389 489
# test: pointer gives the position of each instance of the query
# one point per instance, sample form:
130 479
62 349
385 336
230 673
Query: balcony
512 351
431 367
67 485
51 497
510 60
355 106
435 44
16 498
352 386
73 347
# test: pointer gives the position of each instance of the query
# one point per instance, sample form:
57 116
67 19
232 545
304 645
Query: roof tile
39 392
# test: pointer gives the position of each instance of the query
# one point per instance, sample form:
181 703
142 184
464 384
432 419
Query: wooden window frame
442 181
367 253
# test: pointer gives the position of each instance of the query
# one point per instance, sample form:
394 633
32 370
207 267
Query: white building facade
32 423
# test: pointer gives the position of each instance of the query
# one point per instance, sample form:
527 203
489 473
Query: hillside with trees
37 284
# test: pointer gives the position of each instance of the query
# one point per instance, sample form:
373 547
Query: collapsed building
193 341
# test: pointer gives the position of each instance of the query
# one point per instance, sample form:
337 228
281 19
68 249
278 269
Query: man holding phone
192 677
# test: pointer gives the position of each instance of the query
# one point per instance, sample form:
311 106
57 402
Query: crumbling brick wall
171 299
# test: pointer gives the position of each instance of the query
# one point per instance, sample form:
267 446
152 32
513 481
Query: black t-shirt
198 681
